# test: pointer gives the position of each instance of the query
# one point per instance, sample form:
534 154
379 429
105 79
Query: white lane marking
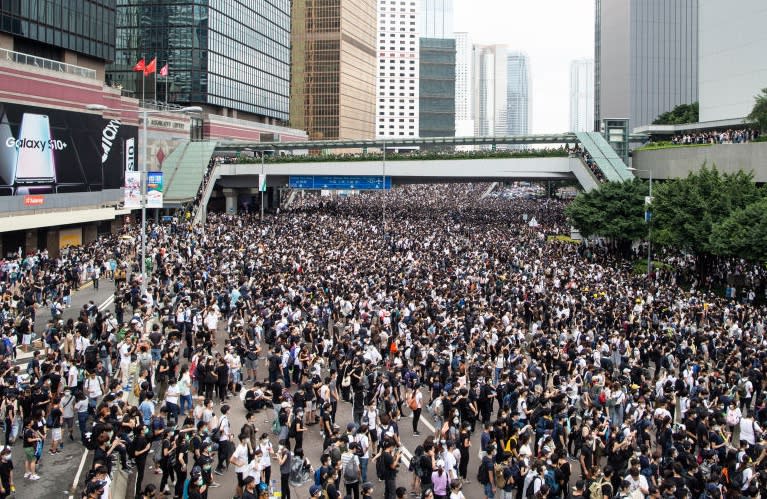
79 471
106 303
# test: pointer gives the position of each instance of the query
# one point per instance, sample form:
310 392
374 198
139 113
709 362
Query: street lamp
648 202
145 117
261 179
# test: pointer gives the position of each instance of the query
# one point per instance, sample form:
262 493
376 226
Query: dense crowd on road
424 305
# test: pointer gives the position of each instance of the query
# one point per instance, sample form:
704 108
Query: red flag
164 70
140 65
151 67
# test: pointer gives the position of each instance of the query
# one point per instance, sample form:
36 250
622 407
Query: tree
743 234
614 211
686 210
758 113
680 115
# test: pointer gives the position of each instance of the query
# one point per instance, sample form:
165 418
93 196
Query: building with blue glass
231 57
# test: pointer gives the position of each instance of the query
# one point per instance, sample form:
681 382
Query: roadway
61 471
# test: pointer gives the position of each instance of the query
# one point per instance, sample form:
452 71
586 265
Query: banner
51 151
262 182
132 189
154 190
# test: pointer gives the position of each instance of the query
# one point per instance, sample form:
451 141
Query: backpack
482 473
500 481
380 470
530 492
595 488
602 399
351 471
736 481
551 480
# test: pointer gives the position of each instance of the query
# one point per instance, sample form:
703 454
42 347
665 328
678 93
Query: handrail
40 62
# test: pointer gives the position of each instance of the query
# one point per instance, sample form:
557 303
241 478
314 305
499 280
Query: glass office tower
518 101
44 27
334 68
437 88
221 53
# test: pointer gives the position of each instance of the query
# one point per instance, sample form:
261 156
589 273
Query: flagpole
155 86
166 88
143 80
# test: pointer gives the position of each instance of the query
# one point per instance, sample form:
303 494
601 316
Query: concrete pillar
52 244
90 233
231 200
30 241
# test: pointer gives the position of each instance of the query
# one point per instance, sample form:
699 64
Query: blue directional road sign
340 182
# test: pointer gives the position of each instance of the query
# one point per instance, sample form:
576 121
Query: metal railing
49 64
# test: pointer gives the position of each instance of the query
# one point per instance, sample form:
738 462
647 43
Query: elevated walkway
184 174
605 157
583 173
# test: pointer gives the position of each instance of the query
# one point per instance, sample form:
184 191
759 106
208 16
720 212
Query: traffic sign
340 182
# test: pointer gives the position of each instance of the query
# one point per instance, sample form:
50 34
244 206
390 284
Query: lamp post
383 197
145 116
262 179
648 202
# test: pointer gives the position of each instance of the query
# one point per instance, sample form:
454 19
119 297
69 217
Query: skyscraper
732 64
226 56
489 89
334 68
464 122
518 90
398 69
582 95
62 31
436 19
646 58
437 88
436 82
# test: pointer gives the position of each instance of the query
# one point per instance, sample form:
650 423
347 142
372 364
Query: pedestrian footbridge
287 161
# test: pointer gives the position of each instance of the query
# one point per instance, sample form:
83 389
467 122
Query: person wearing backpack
600 486
486 472
533 481
350 466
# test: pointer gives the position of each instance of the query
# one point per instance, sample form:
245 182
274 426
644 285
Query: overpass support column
230 195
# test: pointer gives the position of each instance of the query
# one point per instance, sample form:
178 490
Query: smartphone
7 152
35 164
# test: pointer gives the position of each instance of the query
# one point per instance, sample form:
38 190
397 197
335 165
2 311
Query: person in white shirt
72 375
225 440
240 461
265 446
636 480
749 430
126 349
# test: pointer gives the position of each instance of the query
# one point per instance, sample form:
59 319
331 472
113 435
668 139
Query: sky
551 32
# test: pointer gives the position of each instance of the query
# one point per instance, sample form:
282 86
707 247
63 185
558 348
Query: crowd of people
582 153
729 136
580 377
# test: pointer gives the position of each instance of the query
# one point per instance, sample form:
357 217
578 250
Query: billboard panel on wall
45 151
154 190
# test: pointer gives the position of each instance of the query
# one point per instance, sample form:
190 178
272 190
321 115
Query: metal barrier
49 64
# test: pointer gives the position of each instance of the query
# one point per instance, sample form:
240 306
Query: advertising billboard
45 151
154 195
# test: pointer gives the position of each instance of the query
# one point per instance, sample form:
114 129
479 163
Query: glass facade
436 19
227 53
437 88
646 58
517 94
44 27
333 70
